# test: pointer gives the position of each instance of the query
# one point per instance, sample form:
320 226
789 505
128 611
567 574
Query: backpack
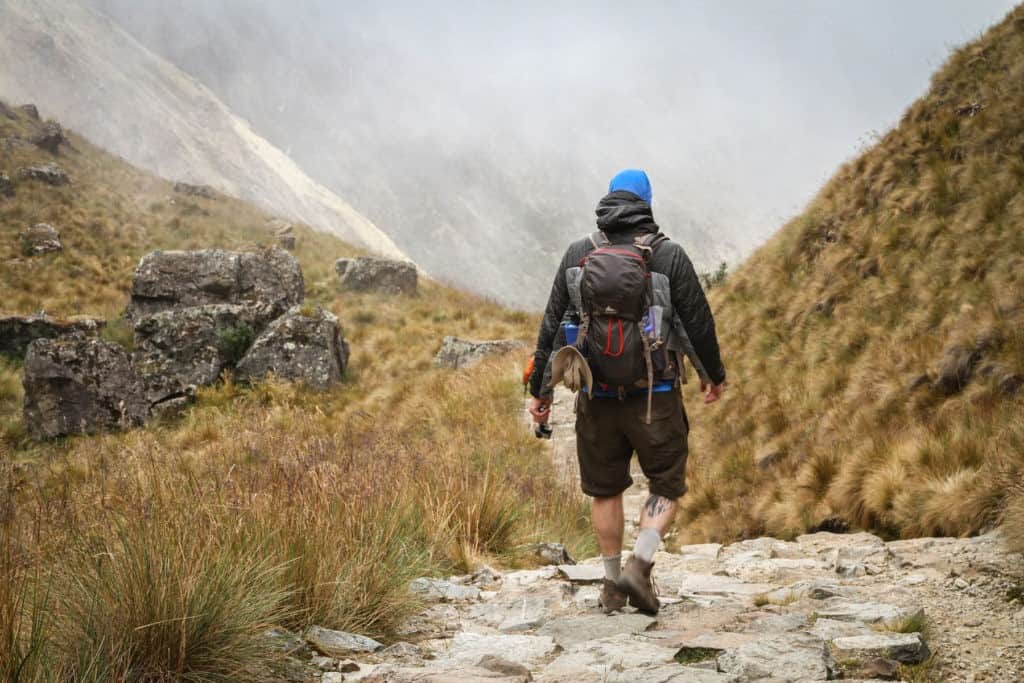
620 331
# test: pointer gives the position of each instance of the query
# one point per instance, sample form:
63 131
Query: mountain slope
875 345
80 67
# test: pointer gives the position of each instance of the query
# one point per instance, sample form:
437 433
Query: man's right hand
540 409
712 392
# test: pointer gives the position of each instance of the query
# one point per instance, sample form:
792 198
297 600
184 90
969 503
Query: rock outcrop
50 173
80 387
179 349
463 353
18 331
366 274
204 191
50 138
41 238
270 280
305 345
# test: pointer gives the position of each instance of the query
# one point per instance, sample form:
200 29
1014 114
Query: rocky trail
821 607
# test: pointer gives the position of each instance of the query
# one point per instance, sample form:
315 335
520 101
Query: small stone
553 553
347 666
339 643
440 589
324 663
961 583
51 174
485 577
204 191
462 353
50 138
880 668
376 274
41 238
907 648
582 573
503 666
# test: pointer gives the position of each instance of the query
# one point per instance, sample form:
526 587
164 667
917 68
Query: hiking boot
611 597
635 582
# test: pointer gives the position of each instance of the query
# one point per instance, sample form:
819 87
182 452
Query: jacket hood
623 211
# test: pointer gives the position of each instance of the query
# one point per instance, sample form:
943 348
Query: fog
480 136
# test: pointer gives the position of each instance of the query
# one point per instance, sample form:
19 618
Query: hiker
627 305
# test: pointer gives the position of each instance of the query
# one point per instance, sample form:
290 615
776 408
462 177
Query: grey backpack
620 324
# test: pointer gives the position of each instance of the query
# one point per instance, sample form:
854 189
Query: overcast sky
739 110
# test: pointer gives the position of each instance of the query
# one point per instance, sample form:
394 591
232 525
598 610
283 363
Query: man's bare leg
655 516
609 520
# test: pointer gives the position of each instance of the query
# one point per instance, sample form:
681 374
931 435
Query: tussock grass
907 265
164 553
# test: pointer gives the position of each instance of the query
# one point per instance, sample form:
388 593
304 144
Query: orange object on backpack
528 372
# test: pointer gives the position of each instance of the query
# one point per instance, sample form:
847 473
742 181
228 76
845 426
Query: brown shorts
609 430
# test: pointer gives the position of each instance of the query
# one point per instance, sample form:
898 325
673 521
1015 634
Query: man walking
630 306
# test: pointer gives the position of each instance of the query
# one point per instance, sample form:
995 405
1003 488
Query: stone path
820 607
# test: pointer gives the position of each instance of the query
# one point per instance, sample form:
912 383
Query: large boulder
270 280
366 274
178 350
41 238
304 345
18 331
462 353
50 173
80 387
50 138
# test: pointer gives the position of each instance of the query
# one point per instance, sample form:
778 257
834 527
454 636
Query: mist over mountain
467 131
81 68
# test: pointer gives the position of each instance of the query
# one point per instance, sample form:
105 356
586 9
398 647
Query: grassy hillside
876 344
270 505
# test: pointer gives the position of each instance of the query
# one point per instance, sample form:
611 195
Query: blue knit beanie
632 180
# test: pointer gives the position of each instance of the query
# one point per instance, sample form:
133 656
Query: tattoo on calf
656 505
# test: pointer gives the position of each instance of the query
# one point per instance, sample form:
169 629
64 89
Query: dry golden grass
835 330
164 553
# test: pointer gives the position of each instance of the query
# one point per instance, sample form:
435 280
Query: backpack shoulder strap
651 239
599 239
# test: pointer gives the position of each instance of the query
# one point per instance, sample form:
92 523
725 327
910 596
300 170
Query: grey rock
553 553
616 659
504 666
468 647
339 643
830 629
440 589
30 110
324 663
41 238
270 281
879 668
18 331
485 577
473 674
286 237
332 677
173 407
365 274
347 666
908 648
50 173
6 186
462 353
701 551
178 350
50 138
284 641
303 345
868 612
204 191
723 586
80 387
791 657
403 651
582 573
569 631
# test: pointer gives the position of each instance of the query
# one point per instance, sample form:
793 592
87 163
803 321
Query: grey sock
612 566
647 542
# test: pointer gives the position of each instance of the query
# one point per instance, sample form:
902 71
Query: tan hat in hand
571 367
